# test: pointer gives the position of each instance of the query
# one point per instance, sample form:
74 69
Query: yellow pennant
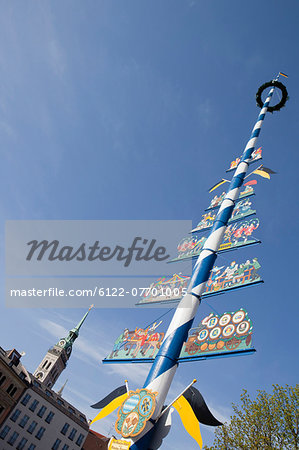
262 173
188 418
110 407
218 184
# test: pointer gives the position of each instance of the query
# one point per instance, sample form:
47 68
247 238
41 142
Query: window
21 444
36 383
65 447
13 438
2 379
12 393
45 363
82 418
55 377
4 432
41 412
49 417
23 421
80 439
31 447
71 410
49 393
56 444
40 433
64 429
15 415
32 427
26 399
59 401
33 405
10 388
72 434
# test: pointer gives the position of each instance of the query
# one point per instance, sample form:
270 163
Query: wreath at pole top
284 95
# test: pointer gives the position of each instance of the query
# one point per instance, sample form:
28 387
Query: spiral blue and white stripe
164 367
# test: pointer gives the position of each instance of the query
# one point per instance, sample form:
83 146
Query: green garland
283 100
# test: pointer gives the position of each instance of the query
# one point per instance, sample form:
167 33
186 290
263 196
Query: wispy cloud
57 58
86 351
53 328
222 413
205 112
85 398
6 128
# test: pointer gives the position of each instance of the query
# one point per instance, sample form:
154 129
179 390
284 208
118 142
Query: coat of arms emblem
135 411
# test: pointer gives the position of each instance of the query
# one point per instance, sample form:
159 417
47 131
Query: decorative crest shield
135 411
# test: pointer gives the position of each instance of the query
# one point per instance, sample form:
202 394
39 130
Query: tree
271 421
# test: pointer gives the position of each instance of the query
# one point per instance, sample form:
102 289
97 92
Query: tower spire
62 387
56 358
74 332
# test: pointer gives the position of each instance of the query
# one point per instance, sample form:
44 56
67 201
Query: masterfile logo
144 250
62 263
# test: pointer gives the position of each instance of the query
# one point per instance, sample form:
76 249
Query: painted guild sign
219 334
237 234
241 210
140 343
232 331
217 200
221 279
135 411
256 155
117 444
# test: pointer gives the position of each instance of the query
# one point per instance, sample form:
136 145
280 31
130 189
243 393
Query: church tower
55 360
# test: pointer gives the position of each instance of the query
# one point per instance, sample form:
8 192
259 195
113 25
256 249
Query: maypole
141 415
166 362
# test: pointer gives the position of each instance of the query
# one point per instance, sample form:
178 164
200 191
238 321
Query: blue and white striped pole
165 364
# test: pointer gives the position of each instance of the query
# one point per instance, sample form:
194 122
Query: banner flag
110 408
200 408
264 172
108 399
188 418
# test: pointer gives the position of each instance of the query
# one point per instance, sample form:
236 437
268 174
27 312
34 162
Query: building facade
42 420
95 441
32 415
14 379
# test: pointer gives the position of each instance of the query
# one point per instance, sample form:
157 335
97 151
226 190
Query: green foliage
271 421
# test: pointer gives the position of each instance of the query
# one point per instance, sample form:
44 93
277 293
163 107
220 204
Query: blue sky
132 110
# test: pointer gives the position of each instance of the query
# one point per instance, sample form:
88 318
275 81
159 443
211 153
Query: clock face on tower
68 350
62 343
39 375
